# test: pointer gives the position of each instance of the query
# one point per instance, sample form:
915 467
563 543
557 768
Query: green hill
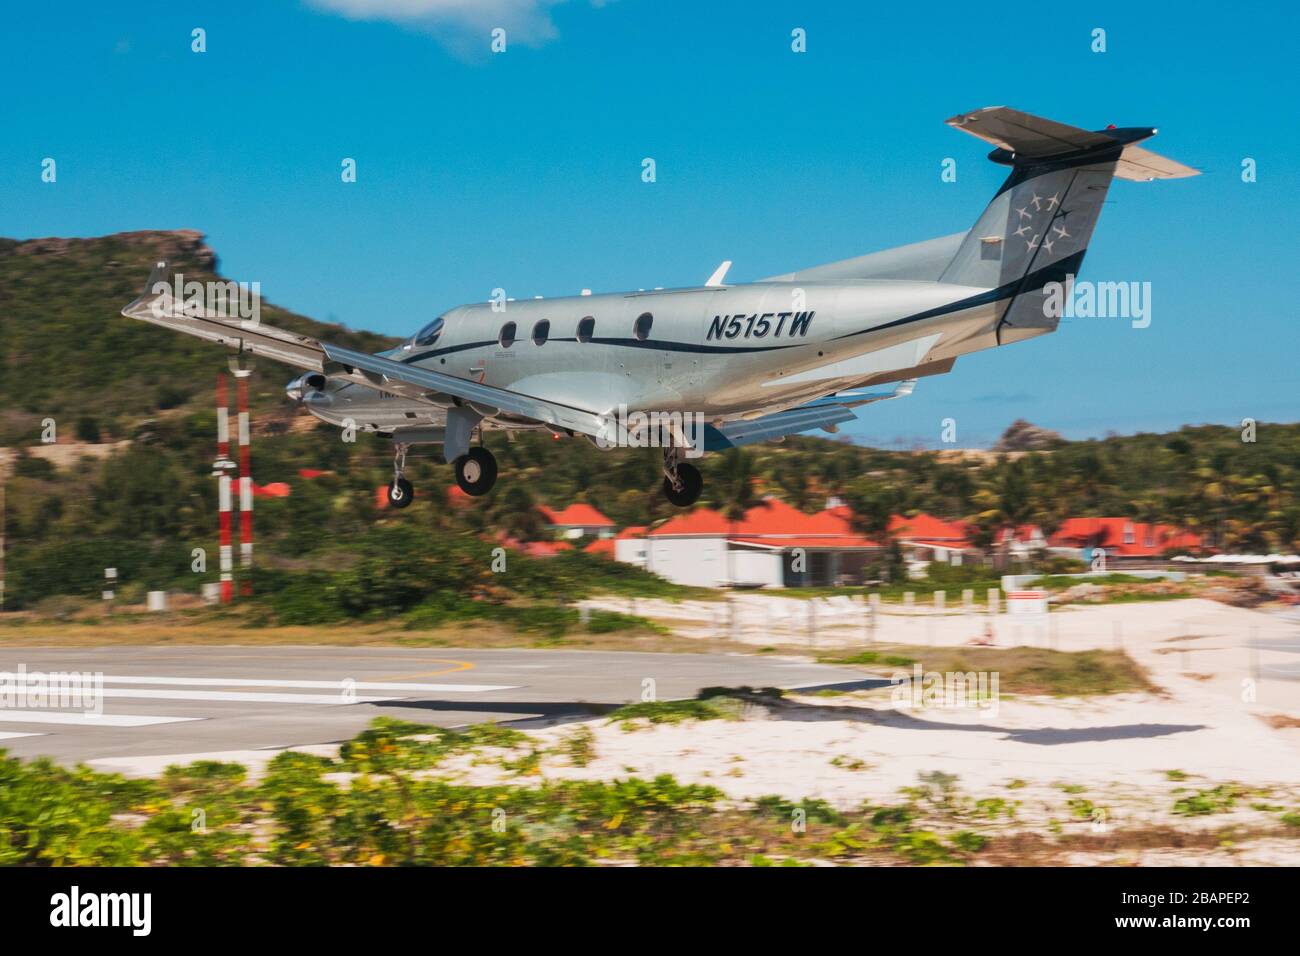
70 355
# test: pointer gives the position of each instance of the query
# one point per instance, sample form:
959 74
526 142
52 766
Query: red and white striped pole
245 488
222 468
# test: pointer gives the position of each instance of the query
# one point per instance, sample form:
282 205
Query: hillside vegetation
70 356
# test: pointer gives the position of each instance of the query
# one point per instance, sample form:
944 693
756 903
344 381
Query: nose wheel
400 491
476 471
682 482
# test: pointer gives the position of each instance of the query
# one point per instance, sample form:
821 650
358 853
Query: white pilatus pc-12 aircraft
716 366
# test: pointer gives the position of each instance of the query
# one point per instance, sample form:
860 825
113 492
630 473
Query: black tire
401 493
692 484
476 472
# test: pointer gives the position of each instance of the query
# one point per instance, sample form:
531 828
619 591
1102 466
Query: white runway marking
235 696
338 685
86 720
11 734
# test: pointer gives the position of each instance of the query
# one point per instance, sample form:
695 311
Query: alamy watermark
56 690
948 690
1098 300
638 429
206 300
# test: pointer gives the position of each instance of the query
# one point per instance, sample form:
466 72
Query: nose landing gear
401 492
682 482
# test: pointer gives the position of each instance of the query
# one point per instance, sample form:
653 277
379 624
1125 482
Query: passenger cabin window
641 328
586 328
507 336
540 331
429 334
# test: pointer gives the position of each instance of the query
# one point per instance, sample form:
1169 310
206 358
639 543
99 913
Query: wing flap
385 373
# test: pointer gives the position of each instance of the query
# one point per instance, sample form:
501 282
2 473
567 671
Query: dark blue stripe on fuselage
660 345
1031 282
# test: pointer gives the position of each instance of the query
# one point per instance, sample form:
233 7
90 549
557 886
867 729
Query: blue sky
523 169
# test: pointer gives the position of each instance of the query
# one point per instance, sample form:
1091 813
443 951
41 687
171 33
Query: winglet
719 274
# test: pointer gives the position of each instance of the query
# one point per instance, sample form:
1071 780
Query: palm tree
733 491
872 507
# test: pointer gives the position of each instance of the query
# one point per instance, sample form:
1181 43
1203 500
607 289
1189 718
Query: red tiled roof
576 515
603 546
1148 540
632 531
545 549
772 522
701 521
930 528
838 541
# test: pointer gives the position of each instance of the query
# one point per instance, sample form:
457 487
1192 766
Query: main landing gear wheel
400 493
476 471
682 482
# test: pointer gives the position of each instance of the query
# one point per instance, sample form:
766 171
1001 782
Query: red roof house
576 520
1122 537
704 547
926 538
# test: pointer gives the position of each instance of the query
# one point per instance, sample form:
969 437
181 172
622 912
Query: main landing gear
682 482
476 471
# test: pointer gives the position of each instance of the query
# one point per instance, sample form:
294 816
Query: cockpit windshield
429 334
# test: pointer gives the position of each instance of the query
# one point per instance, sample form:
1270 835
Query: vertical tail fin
1038 226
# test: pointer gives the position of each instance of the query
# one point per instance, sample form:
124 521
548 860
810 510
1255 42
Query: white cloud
457 21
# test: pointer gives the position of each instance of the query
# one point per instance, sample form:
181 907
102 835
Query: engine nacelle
304 385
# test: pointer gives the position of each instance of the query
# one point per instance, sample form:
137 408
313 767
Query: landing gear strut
401 492
476 471
682 482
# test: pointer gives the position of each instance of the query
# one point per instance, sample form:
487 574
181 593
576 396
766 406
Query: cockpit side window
429 334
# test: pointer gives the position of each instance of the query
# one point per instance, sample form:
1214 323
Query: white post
940 600
968 600
110 582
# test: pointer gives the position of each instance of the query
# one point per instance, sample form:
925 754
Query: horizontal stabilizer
776 425
824 413
1143 165
1025 134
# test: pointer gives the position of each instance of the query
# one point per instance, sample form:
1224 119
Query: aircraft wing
825 413
408 381
300 351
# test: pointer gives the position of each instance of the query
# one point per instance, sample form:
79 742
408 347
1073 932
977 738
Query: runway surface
186 700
